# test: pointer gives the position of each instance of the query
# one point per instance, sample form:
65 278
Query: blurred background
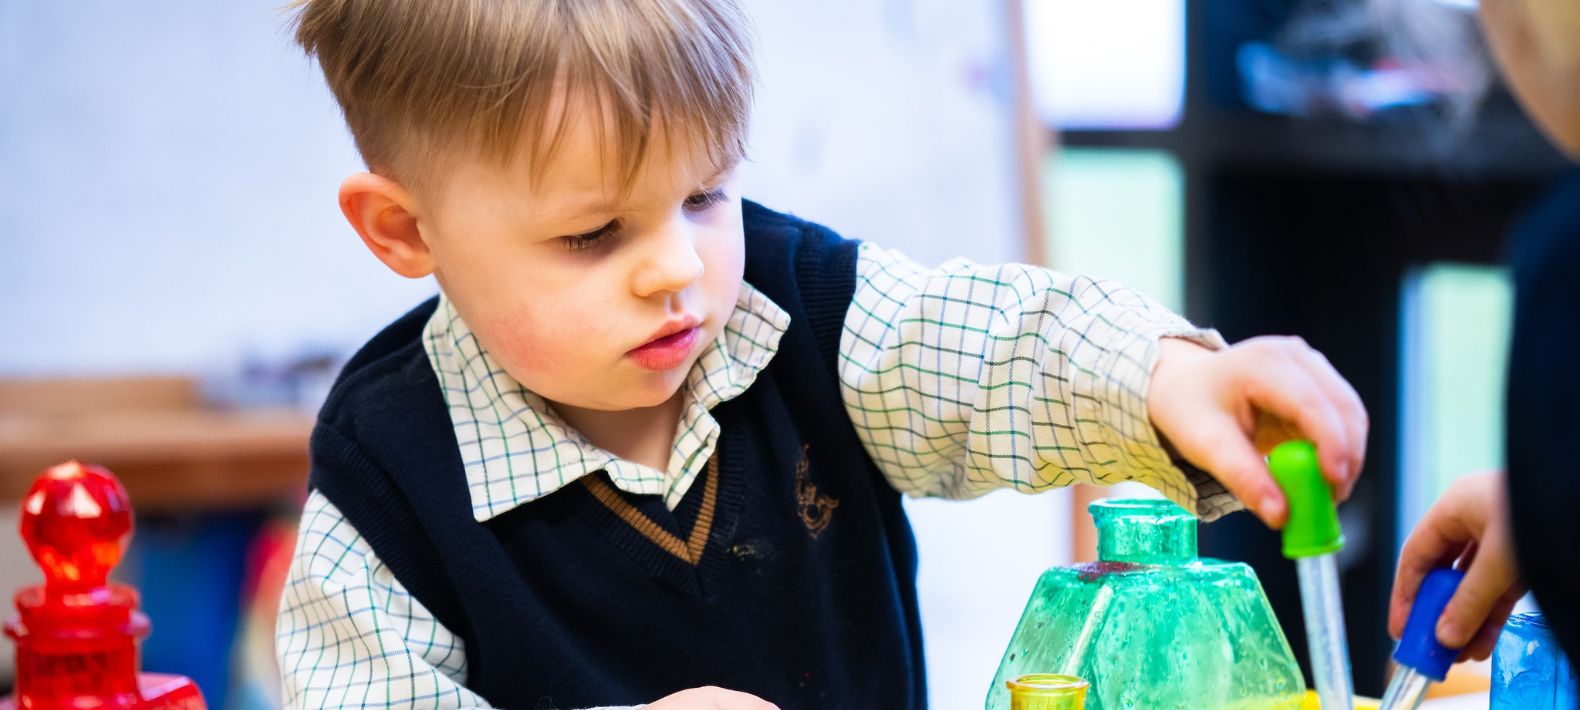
179 287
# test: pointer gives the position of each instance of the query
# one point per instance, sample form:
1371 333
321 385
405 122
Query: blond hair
423 81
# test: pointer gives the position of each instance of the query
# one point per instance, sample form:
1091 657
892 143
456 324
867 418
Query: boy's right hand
1225 410
1469 523
710 698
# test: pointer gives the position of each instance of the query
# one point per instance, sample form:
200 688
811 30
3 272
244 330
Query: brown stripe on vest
690 550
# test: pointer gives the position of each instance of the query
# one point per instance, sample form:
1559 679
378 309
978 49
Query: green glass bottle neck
1146 532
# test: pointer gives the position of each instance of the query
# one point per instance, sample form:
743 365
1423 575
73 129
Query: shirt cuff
1120 406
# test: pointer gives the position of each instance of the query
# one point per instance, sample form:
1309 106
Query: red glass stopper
77 634
76 520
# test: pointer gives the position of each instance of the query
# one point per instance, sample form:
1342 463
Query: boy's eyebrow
730 163
603 204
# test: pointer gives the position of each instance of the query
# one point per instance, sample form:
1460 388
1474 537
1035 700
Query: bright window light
1107 65
1455 329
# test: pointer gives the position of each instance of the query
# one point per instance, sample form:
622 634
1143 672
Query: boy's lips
670 345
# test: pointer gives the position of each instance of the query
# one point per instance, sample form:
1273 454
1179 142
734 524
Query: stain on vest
816 509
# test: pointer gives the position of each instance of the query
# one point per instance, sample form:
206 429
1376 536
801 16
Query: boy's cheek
548 343
515 342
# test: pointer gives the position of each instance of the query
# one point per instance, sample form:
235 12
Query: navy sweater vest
789 570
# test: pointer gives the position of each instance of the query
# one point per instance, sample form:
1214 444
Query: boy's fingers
1226 452
724 699
1284 388
1352 415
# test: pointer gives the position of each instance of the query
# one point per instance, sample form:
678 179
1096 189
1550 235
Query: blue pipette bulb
1418 646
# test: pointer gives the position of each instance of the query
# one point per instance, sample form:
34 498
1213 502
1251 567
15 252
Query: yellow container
1310 702
1046 691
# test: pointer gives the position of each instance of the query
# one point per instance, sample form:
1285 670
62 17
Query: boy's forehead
586 168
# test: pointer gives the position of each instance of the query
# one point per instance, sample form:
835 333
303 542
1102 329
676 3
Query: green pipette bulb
1311 537
1313 525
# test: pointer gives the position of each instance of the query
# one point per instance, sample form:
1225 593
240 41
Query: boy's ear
384 215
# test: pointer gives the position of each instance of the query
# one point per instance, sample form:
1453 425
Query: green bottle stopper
1151 625
1313 525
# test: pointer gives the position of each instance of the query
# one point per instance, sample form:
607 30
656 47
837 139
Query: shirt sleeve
964 379
350 635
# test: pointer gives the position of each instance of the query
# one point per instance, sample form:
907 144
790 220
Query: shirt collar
516 450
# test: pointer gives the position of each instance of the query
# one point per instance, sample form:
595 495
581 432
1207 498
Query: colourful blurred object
77 634
255 677
1151 625
1530 670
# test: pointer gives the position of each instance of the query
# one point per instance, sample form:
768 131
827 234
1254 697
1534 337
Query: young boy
650 438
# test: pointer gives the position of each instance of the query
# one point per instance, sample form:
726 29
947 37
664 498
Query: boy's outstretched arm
966 378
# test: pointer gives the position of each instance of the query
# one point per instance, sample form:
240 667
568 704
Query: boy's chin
655 393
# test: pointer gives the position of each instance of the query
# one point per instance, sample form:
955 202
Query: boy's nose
670 264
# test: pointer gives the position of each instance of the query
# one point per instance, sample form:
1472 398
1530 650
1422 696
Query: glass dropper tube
1406 690
1325 637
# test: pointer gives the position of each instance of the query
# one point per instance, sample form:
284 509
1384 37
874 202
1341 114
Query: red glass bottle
77 634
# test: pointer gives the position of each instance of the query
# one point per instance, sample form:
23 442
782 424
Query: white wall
167 182
167 192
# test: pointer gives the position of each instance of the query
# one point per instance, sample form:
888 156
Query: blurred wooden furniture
172 451
1464 679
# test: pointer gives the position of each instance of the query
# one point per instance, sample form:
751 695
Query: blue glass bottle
1529 670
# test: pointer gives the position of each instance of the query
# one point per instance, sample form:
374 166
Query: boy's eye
589 240
703 200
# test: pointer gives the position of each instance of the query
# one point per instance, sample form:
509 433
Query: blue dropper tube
1312 538
1421 658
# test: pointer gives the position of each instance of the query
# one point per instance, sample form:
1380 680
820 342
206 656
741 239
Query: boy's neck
644 436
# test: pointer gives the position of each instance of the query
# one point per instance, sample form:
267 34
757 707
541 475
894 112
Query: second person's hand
1469 523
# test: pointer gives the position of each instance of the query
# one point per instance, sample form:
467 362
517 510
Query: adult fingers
1439 539
1487 637
1490 577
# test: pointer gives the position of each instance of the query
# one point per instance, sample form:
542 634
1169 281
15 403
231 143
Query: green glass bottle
1150 625
1046 691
